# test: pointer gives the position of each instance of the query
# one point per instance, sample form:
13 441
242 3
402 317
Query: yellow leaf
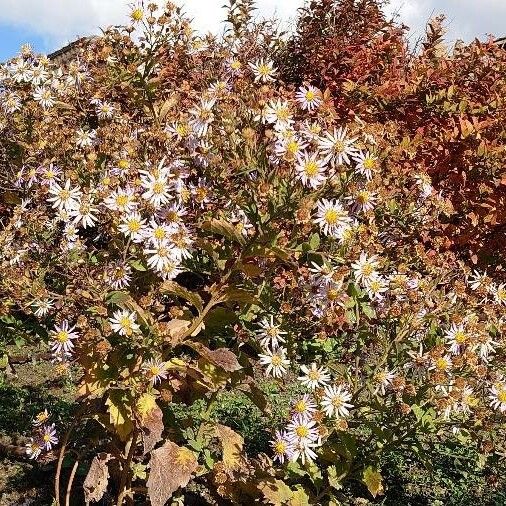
145 405
120 414
373 481
232 444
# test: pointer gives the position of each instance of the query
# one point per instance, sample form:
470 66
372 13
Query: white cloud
59 21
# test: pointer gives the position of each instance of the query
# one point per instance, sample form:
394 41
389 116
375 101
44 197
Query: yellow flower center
235 65
280 447
200 194
123 164
264 70
375 286
311 168
369 163
501 395
292 147
332 294
134 225
310 95
155 370
363 197
302 431
337 401
62 336
272 332
159 233
367 270
339 146
159 187
64 194
122 200
182 130
332 216
460 337
283 113
137 14
501 294
313 375
300 406
46 438
441 363
276 360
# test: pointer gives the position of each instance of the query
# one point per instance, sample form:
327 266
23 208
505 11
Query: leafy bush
185 218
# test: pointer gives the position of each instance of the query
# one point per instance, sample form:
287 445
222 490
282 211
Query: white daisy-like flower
85 214
44 97
441 364
322 274
363 201
310 169
49 174
122 200
171 269
11 102
275 361
314 377
365 268
263 70
304 406
39 75
497 396
49 437
289 147
335 401
124 322
155 233
282 447
40 418
182 241
331 217
156 370
85 138
477 280
201 117
104 109
304 450
270 334
382 380
302 428
375 287
457 338
157 189
34 448
337 147
119 276
64 197
42 307
62 337
367 163
309 97
499 293
485 347
173 214
278 112
162 255
133 226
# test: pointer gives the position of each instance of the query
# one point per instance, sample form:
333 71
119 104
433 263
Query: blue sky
50 24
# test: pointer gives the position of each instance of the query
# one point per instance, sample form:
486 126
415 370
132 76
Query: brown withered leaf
95 483
222 357
232 444
152 428
171 467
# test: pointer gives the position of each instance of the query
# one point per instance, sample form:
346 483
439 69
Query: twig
71 480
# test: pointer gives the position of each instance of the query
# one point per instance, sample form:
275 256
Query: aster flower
124 322
376 286
42 307
302 429
161 255
366 163
85 138
500 293
362 202
40 418
310 169
335 401
441 364
304 450
49 437
275 361
133 226
270 334
202 117
337 147
44 97
122 200
477 280
365 268
282 447
263 70
62 337
331 217
278 112
314 377
157 189
309 97
304 406
156 370
383 380
457 338
155 233
119 276
64 197
497 396
85 214
11 102
34 448
181 241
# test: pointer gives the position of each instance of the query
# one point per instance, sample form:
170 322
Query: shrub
183 222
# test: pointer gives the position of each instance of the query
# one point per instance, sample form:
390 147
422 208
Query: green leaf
373 481
138 265
314 242
180 291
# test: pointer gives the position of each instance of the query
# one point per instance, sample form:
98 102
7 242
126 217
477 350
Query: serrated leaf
171 467
275 492
120 413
